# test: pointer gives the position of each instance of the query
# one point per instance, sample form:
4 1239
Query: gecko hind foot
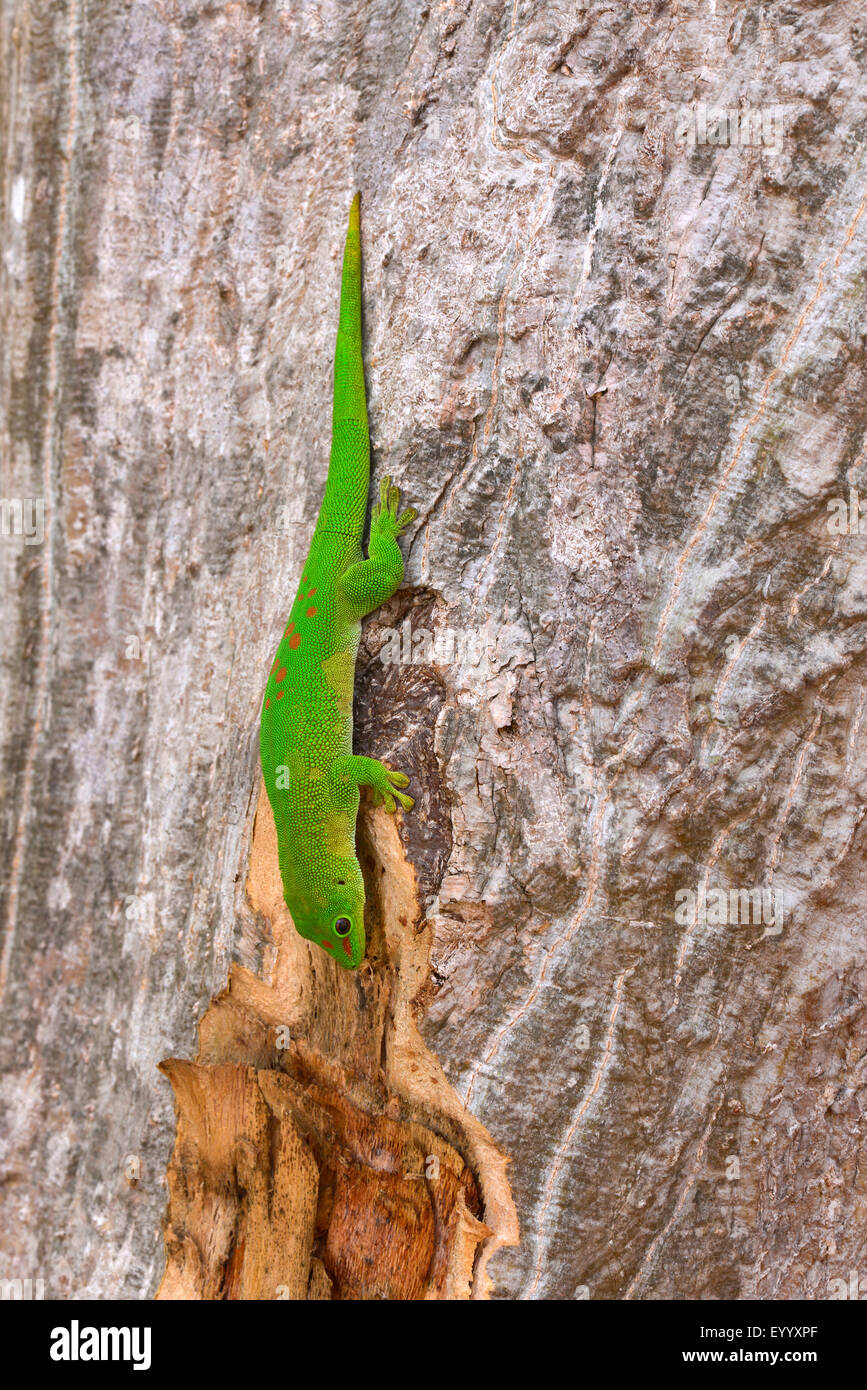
384 516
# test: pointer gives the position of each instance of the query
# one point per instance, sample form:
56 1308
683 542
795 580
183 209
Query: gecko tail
344 505
355 214
350 401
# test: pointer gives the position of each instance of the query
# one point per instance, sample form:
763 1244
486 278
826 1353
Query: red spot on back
286 633
311 593
295 641
281 675
276 664
311 612
279 694
267 701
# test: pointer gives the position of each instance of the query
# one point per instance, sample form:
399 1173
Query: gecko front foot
383 781
387 792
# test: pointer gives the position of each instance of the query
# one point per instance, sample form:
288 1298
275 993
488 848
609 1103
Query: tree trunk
610 1037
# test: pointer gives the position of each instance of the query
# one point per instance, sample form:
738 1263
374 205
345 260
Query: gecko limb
369 583
384 781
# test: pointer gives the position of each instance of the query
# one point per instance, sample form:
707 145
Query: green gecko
311 774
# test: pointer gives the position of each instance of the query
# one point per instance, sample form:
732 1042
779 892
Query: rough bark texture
618 362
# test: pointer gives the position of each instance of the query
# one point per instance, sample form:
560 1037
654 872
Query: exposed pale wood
397 1209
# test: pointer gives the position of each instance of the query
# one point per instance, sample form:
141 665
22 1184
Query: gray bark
616 358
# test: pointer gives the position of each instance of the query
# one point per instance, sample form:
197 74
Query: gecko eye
342 926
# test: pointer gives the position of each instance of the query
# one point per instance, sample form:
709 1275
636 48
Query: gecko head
333 915
344 933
